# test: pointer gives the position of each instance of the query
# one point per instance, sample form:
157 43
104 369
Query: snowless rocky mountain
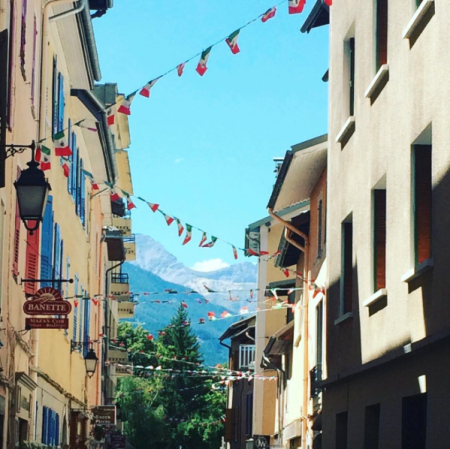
239 278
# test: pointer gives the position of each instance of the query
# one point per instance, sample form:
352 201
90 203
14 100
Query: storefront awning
281 342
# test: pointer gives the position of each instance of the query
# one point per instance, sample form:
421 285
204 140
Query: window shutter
83 195
78 186
57 256
352 76
319 229
44 425
73 168
60 102
55 96
80 318
75 311
348 267
382 32
87 308
11 67
72 143
23 38
33 66
47 243
423 201
16 241
32 262
380 239
229 425
57 431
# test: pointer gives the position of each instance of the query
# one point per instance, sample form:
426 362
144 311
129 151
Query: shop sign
46 323
118 441
104 414
47 301
261 442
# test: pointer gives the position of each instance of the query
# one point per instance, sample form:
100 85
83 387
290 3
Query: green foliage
169 410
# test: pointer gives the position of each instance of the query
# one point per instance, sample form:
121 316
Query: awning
319 16
239 328
281 342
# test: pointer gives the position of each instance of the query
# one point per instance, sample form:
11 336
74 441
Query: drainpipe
305 249
44 51
249 336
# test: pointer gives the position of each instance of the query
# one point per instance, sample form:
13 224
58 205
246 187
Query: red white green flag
169 220
201 67
91 178
125 107
153 206
110 117
296 6
180 227
130 204
243 310
328 2
225 314
232 42
250 252
203 240
211 243
184 305
180 68
211 316
145 91
43 156
61 146
66 166
269 14
115 197
235 253
188 236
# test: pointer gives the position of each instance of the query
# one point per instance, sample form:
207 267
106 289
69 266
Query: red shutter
423 195
348 267
382 32
32 262
380 239
16 242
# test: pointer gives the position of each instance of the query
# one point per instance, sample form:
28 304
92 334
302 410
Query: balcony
315 377
124 370
126 309
120 286
116 355
130 247
247 357
114 242
123 224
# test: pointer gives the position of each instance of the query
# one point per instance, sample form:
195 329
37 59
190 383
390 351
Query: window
372 427
81 315
381 33
319 228
16 236
347 268
87 316
55 96
50 427
291 301
414 422
11 67
33 66
418 3
47 243
351 60
319 336
249 415
246 356
379 238
341 430
60 103
422 202
23 38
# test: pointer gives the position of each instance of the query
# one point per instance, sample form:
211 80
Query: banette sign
47 301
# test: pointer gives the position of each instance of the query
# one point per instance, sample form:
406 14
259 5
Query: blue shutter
60 102
87 310
50 427
47 243
75 312
61 263
57 256
55 97
78 188
57 431
73 146
81 316
44 425
83 195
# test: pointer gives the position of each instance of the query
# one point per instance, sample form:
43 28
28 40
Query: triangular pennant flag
115 197
211 316
61 146
296 6
201 67
75 303
180 227
169 220
188 235
110 117
269 14
203 240
180 68
110 185
130 204
232 42
145 91
201 321
264 253
210 290
225 314
125 107
235 253
153 206
43 156
286 272
250 252
211 243
328 2
184 305
243 310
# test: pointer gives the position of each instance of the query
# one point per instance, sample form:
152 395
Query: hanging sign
47 301
118 441
46 323
261 442
104 414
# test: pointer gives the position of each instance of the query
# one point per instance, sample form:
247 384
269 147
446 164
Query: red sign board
47 301
46 323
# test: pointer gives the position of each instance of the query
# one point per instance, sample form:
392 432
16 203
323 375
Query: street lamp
32 191
91 362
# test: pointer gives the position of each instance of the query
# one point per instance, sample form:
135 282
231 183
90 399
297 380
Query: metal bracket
78 345
70 281
12 149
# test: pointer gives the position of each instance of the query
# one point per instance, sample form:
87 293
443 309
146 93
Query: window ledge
377 296
417 18
379 77
417 271
344 317
348 126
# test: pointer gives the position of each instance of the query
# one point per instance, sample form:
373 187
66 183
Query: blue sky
203 147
